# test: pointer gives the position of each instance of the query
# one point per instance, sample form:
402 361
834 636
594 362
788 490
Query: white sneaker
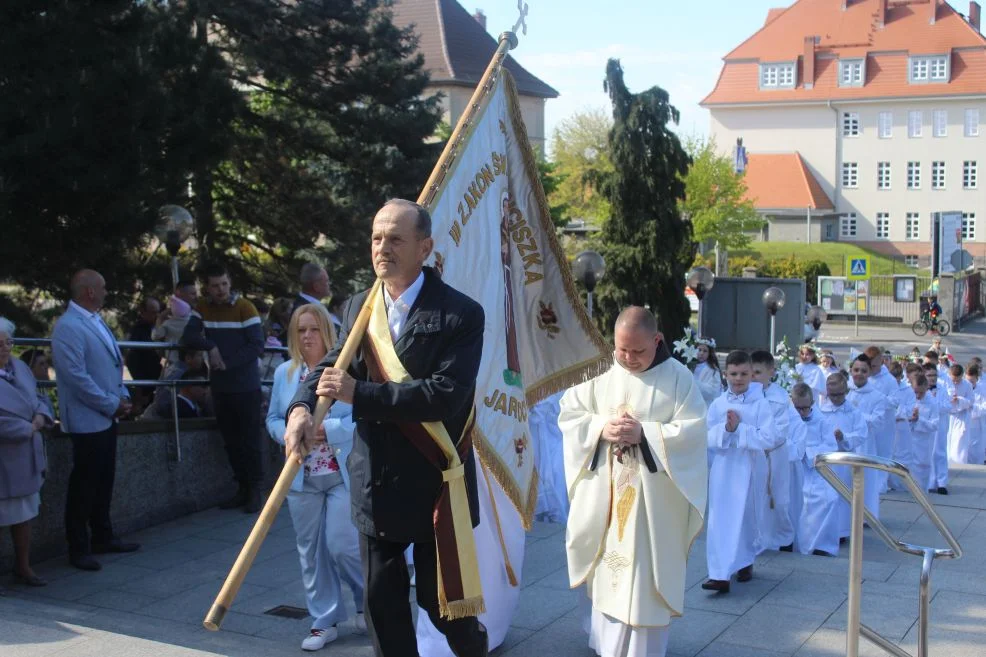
318 638
360 622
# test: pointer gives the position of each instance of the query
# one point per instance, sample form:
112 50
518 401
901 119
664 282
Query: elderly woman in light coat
328 545
22 457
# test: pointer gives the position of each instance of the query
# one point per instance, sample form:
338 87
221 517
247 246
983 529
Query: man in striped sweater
228 327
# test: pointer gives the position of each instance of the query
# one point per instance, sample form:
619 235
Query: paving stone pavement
152 602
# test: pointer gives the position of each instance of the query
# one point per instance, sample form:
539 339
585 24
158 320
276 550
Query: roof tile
778 181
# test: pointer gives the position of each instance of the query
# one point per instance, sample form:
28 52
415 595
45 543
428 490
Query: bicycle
931 323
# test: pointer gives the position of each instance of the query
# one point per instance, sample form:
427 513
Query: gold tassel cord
511 577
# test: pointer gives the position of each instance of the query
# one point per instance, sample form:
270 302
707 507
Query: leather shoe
238 500
822 553
786 548
718 585
942 490
255 501
745 574
84 562
115 545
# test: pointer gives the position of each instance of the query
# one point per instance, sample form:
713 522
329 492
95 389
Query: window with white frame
847 225
777 76
850 124
883 175
914 175
937 175
911 260
850 174
928 69
970 174
851 73
968 226
939 123
912 228
972 122
883 225
886 125
915 122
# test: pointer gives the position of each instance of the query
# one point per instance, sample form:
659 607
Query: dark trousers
388 612
90 489
238 416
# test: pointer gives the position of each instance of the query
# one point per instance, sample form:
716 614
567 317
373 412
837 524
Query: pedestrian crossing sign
858 269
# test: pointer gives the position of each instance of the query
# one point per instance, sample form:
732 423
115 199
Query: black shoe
786 548
255 501
717 585
942 490
745 574
84 562
114 546
238 500
822 553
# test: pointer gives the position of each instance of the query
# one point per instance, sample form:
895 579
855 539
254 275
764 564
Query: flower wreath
686 349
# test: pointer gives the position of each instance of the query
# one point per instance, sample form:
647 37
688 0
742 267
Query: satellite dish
961 260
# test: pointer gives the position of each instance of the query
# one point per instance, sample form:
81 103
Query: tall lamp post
773 300
174 226
589 268
700 280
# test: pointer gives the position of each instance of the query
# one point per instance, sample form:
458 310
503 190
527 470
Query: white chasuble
635 512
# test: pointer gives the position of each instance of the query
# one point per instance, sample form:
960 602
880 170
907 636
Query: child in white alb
922 417
841 421
776 526
874 406
818 522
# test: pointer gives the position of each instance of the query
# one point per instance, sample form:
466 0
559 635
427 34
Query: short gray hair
423 223
309 271
7 326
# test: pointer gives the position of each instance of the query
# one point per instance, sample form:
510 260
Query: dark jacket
235 328
393 486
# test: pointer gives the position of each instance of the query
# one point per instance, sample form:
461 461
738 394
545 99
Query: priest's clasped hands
623 430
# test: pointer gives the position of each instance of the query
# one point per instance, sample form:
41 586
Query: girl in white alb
707 374
809 371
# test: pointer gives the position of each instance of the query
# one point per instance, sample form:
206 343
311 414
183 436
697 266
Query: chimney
975 15
480 17
933 12
881 14
808 65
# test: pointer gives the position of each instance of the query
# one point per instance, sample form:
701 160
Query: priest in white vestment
636 469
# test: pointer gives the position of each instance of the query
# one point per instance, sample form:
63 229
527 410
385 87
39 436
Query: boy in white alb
874 406
977 449
845 424
818 524
962 398
903 450
739 423
938 476
923 421
776 525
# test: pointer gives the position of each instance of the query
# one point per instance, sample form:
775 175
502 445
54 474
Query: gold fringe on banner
491 460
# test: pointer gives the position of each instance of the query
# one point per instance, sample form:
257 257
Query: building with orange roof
878 104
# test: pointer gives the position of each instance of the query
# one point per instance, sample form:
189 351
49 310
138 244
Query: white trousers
609 637
939 458
328 548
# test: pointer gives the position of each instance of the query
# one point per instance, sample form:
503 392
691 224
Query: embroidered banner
494 240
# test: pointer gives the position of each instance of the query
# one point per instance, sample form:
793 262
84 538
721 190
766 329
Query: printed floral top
321 460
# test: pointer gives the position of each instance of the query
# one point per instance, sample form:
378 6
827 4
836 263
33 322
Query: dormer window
852 72
777 76
924 69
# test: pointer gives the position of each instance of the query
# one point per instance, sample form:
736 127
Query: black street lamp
589 268
700 280
773 300
174 226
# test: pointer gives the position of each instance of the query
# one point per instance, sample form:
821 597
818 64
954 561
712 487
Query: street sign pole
856 328
857 269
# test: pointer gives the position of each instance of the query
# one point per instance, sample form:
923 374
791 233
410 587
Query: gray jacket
22 457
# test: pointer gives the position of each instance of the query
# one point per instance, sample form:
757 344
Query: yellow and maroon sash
460 591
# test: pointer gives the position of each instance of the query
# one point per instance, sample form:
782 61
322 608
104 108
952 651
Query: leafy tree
714 199
336 122
580 153
647 246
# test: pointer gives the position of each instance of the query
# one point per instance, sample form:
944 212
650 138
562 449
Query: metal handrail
857 463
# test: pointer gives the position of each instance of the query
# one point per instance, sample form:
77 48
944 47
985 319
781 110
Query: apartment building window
937 175
850 174
850 124
851 73
883 225
883 175
912 229
968 226
970 174
929 69
915 121
847 225
777 76
940 123
972 123
886 125
911 260
914 175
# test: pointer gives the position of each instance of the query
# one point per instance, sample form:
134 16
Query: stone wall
152 485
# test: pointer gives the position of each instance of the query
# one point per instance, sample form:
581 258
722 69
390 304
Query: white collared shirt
309 298
398 309
101 327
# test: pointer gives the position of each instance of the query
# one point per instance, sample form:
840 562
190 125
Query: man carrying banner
636 467
413 473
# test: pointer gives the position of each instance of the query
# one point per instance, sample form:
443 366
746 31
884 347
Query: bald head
88 289
635 318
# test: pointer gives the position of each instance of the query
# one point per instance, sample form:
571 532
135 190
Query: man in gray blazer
91 396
